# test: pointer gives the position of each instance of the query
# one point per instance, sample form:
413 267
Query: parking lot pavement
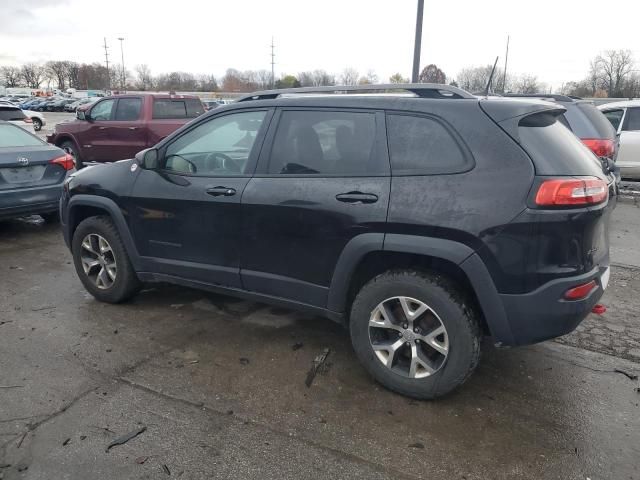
52 118
219 385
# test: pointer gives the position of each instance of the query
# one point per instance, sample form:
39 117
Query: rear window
554 149
164 108
614 117
12 136
9 113
423 146
588 122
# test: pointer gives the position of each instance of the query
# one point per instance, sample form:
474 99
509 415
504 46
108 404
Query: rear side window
633 119
12 136
554 149
9 113
614 117
128 109
325 143
165 108
423 146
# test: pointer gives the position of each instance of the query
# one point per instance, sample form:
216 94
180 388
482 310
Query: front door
127 132
94 140
323 179
186 214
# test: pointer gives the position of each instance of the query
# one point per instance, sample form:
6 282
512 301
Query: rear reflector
602 147
574 191
65 161
581 291
599 309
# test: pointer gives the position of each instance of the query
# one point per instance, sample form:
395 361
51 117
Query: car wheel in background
37 124
101 261
70 147
415 333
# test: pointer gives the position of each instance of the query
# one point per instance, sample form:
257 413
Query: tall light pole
122 57
416 47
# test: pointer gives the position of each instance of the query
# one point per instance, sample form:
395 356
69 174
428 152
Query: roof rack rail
422 90
555 96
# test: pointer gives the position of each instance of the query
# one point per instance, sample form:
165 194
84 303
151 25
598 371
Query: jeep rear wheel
415 333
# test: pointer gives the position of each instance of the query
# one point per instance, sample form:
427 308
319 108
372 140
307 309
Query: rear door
323 179
170 113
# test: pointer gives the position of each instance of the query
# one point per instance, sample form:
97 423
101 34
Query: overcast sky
552 39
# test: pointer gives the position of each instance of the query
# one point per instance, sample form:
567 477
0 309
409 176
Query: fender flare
455 252
116 215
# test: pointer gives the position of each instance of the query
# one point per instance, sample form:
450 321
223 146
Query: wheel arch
81 207
371 254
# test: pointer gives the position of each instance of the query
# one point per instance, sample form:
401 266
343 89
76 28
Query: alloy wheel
98 261
408 337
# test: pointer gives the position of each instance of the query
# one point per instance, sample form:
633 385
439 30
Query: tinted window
128 109
9 113
12 136
102 110
321 142
588 122
420 145
614 116
177 108
632 122
220 146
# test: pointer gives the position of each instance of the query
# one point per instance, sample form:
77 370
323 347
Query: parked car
58 105
585 120
31 174
15 115
44 106
37 119
496 220
211 104
72 107
116 128
625 119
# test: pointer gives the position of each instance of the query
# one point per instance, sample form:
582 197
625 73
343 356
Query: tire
458 349
50 217
73 151
37 124
125 283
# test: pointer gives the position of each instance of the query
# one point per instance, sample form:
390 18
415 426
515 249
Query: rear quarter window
11 114
424 146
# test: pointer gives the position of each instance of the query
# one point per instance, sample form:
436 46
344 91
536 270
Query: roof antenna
493 70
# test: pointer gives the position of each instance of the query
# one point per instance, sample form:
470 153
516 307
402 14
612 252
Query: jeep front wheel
415 333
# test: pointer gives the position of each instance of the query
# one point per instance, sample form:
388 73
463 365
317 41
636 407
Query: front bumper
544 314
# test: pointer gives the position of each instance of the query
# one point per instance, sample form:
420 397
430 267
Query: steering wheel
192 166
224 162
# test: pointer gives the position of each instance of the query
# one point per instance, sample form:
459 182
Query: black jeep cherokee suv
421 221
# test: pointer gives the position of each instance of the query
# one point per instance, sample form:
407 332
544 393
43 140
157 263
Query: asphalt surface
219 386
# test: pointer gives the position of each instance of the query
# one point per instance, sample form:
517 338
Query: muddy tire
415 333
70 147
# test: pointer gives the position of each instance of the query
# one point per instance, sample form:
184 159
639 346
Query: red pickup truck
116 128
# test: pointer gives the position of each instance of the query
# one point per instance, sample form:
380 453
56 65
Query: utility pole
418 43
504 74
273 62
122 57
106 59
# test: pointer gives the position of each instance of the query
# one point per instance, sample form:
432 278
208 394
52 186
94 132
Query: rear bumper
29 201
544 314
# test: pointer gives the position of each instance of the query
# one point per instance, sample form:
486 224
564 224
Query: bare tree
11 76
612 67
58 70
432 74
33 74
207 83
527 84
349 76
398 78
73 72
144 80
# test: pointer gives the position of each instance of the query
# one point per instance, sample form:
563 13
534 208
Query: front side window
615 117
102 110
423 146
633 122
128 109
325 143
220 146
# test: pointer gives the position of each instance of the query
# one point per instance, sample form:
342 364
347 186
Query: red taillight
65 161
584 191
581 291
602 147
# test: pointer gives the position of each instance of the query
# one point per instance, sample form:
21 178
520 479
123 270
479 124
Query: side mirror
147 159
80 115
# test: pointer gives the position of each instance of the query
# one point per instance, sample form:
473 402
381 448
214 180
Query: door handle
132 128
357 197
221 191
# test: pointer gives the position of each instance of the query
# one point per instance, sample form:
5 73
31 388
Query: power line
106 59
273 62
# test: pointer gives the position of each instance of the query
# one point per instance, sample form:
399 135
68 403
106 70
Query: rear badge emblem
134 167
23 161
